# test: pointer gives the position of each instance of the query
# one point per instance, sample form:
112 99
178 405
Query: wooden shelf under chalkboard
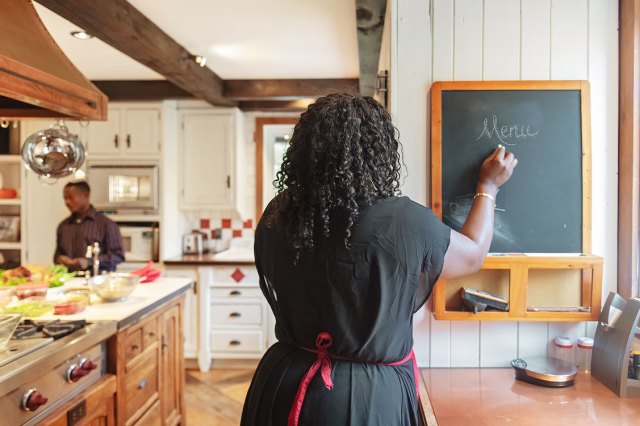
570 281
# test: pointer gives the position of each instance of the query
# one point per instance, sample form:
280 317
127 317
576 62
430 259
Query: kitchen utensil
544 371
114 286
8 323
53 153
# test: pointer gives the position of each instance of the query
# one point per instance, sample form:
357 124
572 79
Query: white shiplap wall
505 40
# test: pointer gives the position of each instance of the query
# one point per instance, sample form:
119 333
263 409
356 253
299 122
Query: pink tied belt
323 363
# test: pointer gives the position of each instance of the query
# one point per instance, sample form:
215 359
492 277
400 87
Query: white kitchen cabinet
233 314
190 314
131 129
208 152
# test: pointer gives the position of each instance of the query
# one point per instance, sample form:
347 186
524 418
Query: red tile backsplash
205 223
226 223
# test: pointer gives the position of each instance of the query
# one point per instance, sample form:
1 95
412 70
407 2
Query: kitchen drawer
152 417
149 333
235 275
237 341
235 314
236 293
141 381
133 344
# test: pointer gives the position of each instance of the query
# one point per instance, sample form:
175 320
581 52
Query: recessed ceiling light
82 35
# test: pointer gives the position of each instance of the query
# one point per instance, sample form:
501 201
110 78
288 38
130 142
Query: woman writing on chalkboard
345 262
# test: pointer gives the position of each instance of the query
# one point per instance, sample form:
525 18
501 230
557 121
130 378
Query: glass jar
583 354
563 350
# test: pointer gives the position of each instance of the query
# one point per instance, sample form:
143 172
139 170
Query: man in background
83 228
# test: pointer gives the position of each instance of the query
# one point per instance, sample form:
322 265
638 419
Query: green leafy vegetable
29 309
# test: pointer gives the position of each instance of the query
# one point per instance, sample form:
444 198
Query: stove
48 363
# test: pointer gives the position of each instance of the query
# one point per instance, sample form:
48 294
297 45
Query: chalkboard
545 124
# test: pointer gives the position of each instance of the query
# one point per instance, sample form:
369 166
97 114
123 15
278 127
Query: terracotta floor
215 398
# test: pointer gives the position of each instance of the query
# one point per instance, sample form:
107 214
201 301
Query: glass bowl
8 324
114 286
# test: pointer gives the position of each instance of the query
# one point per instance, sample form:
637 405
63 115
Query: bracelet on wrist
484 194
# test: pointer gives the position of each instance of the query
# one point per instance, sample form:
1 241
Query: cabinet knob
134 348
152 334
235 293
235 315
32 400
142 384
235 343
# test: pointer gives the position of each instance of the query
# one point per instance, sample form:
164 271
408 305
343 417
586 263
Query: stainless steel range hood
36 78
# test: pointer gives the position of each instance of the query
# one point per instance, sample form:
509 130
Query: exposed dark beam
370 24
244 90
122 26
141 90
268 105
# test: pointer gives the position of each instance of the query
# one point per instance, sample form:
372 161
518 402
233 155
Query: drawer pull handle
235 343
134 347
152 334
142 384
235 293
235 315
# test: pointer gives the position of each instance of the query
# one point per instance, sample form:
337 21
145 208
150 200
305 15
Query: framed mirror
271 137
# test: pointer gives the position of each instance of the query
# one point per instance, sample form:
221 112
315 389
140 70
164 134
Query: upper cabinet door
130 130
141 130
103 137
207 160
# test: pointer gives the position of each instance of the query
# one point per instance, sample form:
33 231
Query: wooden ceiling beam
370 24
141 90
119 24
246 90
275 106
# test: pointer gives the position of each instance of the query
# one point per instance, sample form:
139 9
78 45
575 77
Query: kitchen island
133 372
492 396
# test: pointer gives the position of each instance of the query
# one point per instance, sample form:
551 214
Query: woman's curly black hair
343 154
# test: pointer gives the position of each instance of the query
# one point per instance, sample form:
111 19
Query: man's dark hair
82 185
343 154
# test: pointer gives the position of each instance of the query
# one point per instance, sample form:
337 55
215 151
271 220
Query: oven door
124 187
140 243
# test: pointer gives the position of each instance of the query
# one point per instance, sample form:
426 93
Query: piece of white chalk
500 146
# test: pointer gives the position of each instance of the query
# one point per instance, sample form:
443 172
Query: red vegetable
142 271
151 275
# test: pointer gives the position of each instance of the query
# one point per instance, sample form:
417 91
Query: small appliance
124 188
545 371
141 241
195 243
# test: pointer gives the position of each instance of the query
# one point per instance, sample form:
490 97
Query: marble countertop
144 298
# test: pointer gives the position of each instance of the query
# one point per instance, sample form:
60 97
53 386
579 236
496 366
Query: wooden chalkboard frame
436 135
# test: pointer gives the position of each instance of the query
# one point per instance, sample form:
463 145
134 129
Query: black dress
364 297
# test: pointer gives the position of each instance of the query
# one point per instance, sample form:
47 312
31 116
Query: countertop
210 259
492 396
144 298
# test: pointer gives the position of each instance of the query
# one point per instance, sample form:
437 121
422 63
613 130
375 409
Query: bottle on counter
583 354
563 350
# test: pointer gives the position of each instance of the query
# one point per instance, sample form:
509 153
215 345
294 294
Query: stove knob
75 373
87 364
32 400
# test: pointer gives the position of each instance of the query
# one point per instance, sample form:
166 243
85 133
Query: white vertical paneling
440 343
535 44
499 343
569 39
501 40
533 339
467 42
414 70
603 78
465 343
442 29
